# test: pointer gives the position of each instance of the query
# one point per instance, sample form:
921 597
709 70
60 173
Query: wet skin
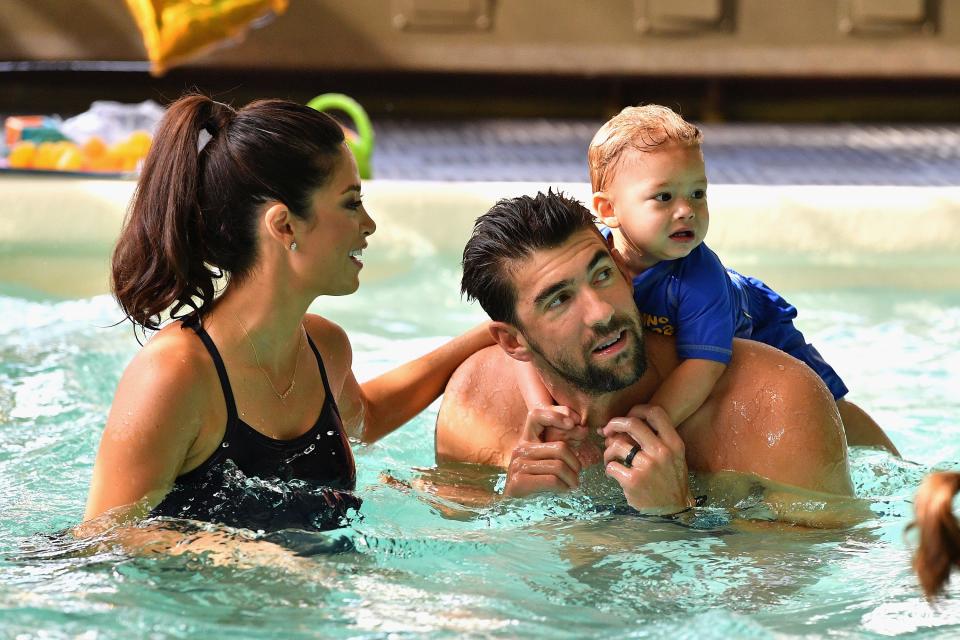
656 204
768 414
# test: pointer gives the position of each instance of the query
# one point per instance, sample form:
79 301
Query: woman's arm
238 548
154 420
374 409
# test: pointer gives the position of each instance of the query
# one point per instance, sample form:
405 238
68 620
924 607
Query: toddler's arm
687 387
535 395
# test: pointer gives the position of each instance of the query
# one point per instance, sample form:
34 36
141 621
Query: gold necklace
293 378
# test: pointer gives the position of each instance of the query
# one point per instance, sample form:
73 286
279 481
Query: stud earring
293 246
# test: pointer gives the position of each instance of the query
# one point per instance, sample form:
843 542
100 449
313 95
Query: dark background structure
718 60
512 89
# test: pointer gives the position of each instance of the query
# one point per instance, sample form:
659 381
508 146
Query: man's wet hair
511 230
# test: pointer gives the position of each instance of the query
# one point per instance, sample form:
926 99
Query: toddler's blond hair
640 128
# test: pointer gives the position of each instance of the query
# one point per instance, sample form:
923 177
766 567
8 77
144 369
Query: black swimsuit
258 482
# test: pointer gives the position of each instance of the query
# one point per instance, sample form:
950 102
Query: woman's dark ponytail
158 263
192 216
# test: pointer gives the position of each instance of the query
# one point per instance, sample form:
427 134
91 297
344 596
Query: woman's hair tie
211 126
220 115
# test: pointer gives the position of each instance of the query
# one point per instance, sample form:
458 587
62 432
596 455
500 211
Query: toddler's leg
861 428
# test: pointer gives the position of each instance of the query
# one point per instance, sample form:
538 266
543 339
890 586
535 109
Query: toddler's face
659 200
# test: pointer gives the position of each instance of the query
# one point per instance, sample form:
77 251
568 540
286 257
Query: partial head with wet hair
511 230
194 212
642 128
939 549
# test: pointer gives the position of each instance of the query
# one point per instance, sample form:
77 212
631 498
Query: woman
238 410
939 549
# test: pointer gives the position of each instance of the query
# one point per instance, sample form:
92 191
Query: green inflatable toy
360 141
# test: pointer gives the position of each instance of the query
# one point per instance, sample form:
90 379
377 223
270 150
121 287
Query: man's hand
537 466
656 480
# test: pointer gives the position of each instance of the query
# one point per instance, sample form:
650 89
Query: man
542 271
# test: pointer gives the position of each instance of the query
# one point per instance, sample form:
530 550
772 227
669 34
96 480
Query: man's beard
591 378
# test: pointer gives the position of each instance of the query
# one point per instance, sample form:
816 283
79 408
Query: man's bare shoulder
482 410
785 379
489 369
770 414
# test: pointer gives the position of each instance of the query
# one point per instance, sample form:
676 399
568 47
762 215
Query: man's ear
277 221
508 337
603 206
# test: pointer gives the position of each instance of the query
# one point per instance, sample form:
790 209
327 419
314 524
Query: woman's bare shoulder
177 348
321 328
174 363
326 333
334 346
166 397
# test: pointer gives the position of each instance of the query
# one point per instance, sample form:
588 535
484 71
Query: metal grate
547 150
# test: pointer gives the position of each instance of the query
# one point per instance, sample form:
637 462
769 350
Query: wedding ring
628 461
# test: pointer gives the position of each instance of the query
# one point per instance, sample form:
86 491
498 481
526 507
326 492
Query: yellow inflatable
174 30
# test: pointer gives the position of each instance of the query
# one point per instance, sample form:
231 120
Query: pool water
421 565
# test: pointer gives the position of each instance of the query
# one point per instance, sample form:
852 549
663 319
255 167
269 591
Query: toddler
650 192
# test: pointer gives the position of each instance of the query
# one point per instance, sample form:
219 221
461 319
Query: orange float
94 155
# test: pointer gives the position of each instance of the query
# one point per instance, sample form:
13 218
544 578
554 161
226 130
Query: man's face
577 315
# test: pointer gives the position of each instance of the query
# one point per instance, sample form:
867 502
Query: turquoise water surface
551 567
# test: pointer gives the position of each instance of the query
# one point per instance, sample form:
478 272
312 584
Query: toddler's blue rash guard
705 305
